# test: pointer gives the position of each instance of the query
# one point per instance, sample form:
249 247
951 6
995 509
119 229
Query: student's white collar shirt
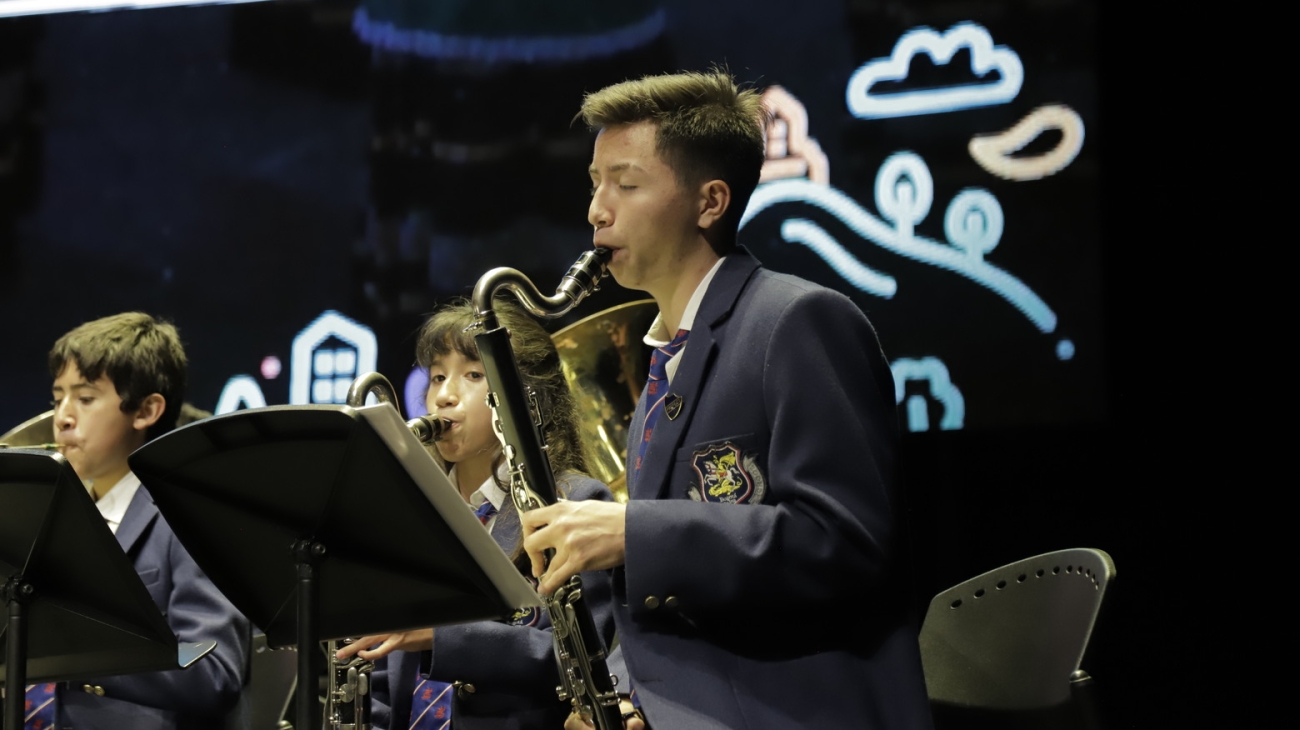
488 491
113 505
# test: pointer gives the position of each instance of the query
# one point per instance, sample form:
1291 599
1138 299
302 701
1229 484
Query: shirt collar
659 336
113 504
489 490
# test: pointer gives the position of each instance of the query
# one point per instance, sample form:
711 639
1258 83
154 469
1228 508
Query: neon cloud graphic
985 57
904 191
993 151
933 371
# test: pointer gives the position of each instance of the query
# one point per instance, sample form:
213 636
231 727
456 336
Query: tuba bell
606 364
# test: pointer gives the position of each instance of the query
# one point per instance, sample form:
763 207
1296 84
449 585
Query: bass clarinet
517 419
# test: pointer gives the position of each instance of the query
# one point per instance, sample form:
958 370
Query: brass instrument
606 362
517 419
34 433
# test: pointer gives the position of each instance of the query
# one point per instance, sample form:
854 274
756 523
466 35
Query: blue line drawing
327 388
798 230
904 193
942 389
240 390
941 48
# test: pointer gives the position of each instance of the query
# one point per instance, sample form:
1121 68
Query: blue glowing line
941 48
797 230
942 389
578 47
908 244
241 389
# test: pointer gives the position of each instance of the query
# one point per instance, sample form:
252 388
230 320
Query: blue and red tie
485 512
656 388
430 705
38 713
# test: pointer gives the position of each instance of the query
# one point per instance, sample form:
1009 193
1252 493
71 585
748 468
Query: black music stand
323 522
76 607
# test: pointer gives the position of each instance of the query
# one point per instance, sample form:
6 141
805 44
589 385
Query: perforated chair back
1013 637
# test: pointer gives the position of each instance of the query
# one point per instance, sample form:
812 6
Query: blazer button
464 690
652 602
94 690
671 603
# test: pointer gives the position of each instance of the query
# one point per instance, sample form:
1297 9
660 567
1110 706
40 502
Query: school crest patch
525 616
727 475
528 616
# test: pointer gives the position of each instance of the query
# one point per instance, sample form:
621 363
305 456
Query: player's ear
714 200
150 411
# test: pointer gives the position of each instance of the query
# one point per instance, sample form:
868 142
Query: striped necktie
39 711
430 705
656 387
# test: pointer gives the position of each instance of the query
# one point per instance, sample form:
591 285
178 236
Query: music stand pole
307 555
16 594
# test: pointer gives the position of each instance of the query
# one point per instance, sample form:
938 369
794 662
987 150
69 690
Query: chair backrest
1013 637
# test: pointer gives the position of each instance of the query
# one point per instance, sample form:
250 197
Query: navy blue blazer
200 697
761 588
512 667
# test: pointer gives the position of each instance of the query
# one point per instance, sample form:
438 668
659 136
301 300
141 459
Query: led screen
296 184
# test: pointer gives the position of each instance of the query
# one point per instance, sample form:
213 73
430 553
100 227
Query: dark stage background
296 184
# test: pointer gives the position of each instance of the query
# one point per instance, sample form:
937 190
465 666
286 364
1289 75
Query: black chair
1003 649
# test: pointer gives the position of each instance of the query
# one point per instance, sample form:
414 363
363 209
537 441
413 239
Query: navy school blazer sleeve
195 611
802 381
519 660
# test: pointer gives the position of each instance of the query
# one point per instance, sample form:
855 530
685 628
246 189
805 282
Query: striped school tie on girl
39 711
485 512
656 387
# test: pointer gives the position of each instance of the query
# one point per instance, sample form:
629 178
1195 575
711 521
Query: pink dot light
270 367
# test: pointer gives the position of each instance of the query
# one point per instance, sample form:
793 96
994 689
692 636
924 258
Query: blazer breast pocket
730 470
153 582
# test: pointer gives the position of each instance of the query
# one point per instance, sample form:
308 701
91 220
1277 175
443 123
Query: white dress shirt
113 504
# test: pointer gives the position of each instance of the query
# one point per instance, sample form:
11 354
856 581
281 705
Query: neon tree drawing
985 57
973 226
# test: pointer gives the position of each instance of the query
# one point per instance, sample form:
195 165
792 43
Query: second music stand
324 522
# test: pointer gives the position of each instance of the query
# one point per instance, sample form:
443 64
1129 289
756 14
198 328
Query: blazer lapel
506 528
139 515
687 382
